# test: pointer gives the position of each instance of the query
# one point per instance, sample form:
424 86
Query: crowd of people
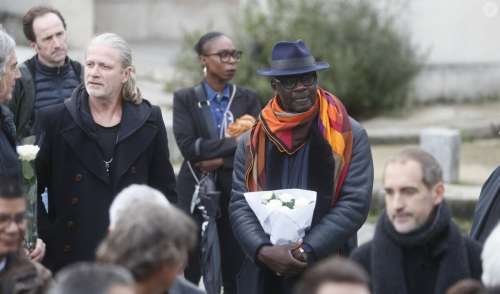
114 218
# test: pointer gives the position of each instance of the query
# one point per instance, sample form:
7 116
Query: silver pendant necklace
107 164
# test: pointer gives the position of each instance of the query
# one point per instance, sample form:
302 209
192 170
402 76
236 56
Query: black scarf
446 245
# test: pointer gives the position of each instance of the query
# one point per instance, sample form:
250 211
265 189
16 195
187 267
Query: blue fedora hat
291 58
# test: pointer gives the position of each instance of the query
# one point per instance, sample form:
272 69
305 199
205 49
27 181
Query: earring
205 71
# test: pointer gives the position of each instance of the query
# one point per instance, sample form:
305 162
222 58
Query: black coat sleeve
488 193
161 175
343 220
186 125
246 226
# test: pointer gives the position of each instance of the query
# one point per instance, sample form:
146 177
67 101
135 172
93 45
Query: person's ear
438 193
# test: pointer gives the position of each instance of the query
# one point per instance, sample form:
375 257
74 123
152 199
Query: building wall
79 16
163 20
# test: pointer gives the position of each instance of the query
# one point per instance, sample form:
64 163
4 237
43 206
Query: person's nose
57 42
12 227
398 202
93 71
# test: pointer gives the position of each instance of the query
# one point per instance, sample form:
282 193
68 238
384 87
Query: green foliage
372 64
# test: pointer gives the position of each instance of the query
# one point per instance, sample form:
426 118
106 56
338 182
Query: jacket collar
133 115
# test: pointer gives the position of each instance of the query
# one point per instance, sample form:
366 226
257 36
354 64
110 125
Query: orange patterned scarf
289 132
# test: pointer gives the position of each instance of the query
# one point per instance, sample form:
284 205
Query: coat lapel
92 157
203 107
127 151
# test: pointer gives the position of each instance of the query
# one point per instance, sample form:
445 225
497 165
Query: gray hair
149 238
86 277
491 259
7 46
130 91
131 196
431 170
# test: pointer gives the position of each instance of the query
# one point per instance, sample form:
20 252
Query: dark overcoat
70 165
482 214
333 229
199 141
196 135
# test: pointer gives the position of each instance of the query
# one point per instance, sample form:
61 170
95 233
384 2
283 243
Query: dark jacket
181 286
9 162
23 97
70 165
482 215
429 260
199 141
197 138
333 229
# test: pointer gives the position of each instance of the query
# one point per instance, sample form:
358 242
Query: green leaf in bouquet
290 204
28 172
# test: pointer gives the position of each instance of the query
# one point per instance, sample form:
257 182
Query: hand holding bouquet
285 214
241 125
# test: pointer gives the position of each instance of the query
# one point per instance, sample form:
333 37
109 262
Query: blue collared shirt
218 104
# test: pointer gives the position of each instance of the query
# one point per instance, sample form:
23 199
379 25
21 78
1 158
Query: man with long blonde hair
101 140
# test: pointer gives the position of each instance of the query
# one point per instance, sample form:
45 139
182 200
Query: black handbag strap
204 106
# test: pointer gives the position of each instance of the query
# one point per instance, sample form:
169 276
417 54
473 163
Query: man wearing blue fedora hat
305 139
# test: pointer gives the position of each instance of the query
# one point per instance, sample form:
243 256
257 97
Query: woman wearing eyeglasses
208 120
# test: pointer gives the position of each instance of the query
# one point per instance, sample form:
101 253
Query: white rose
301 202
285 197
27 152
267 196
274 204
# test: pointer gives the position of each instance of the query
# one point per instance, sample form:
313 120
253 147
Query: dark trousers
231 254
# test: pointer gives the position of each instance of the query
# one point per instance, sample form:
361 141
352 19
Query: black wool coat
70 165
9 163
429 260
483 215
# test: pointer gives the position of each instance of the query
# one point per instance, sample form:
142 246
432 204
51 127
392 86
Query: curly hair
147 237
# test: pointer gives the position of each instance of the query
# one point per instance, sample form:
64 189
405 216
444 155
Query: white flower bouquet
27 155
284 214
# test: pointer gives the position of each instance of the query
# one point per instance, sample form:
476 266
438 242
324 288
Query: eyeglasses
6 219
290 82
225 55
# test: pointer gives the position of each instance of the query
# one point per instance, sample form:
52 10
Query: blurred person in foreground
417 248
335 275
491 259
153 246
208 120
9 162
92 278
101 140
18 273
467 286
304 138
50 76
